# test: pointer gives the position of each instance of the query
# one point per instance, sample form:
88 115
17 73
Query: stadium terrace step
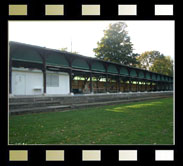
38 109
18 105
29 99
115 102
33 104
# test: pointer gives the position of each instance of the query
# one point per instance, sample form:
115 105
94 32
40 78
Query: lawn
148 122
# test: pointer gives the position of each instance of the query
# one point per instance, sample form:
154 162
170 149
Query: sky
82 36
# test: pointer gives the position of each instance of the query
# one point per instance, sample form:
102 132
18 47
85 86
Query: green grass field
149 122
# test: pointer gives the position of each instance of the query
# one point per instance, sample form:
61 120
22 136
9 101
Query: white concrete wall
26 82
63 85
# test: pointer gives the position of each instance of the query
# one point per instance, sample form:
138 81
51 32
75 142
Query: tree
66 49
156 62
147 59
116 46
163 65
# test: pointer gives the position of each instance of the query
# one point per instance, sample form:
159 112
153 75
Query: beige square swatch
54 155
90 9
127 9
127 155
54 10
91 155
18 155
17 10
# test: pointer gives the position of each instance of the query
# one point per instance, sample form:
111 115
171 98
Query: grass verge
148 122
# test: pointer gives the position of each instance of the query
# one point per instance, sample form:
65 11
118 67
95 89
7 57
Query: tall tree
115 45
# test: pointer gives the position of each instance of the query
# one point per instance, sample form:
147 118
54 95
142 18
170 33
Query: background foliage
115 46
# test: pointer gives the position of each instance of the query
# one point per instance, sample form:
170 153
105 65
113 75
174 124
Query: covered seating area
86 74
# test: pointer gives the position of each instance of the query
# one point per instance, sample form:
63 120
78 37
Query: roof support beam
119 83
124 85
106 83
70 81
137 85
145 85
91 84
130 85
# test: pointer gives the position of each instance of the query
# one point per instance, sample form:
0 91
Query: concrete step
39 109
79 105
83 98
19 105
29 99
116 102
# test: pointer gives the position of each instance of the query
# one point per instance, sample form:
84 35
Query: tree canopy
66 49
156 62
115 45
147 58
163 65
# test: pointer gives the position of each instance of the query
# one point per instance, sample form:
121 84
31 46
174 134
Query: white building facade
30 82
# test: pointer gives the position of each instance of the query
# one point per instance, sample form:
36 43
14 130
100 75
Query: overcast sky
145 35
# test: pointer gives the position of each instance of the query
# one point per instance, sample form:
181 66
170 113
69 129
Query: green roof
30 53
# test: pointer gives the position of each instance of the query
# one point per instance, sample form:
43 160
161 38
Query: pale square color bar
127 9
127 155
54 155
17 10
54 10
18 155
163 10
91 155
164 155
90 10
